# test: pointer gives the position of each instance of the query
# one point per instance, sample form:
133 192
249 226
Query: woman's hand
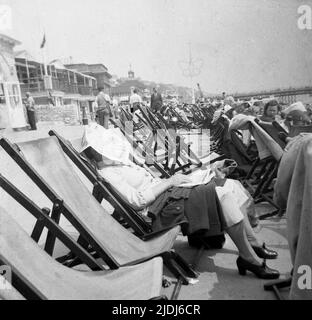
179 179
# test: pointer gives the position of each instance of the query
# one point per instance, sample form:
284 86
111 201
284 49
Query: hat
110 143
297 115
295 106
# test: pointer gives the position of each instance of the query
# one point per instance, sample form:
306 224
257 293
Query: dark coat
194 209
156 102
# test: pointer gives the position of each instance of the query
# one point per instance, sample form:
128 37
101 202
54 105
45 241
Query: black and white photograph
156 150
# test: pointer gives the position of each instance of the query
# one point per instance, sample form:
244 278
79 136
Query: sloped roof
12 41
24 54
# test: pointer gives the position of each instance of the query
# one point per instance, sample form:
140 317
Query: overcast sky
239 45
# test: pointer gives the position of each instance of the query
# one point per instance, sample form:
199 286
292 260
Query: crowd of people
204 210
266 110
209 201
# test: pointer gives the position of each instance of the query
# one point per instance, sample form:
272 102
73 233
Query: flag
43 42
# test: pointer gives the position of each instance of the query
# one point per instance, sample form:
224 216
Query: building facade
12 112
98 71
125 86
55 89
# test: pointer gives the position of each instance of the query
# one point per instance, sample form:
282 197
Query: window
14 95
2 94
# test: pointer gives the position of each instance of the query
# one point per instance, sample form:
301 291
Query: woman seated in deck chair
201 203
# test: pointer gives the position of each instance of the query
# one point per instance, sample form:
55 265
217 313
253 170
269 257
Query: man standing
135 101
103 108
115 103
31 112
156 101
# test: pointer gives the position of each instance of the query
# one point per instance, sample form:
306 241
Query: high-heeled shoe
265 253
262 272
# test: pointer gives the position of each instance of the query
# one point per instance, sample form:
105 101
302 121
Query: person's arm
166 184
137 198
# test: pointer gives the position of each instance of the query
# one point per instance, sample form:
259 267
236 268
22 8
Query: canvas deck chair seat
11 294
44 278
44 162
102 190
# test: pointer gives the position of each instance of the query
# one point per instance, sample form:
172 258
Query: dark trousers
103 116
32 119
135 107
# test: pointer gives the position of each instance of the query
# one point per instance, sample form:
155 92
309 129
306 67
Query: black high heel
262 272
265 253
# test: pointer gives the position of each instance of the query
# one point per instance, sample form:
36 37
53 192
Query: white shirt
135 98
133 183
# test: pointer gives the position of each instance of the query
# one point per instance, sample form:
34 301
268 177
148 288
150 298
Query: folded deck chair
38 276
45 163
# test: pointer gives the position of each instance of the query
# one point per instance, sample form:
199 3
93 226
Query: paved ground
219 278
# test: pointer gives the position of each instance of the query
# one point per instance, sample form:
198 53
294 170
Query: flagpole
44 53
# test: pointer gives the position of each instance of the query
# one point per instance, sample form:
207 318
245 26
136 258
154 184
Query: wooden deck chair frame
167 161
176 264
144 151
272 131
180 121
278 127
262 191
168 142
47 219
51 223
129 117
102 190
198 116
22 285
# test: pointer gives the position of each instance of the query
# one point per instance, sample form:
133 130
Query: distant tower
130 73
